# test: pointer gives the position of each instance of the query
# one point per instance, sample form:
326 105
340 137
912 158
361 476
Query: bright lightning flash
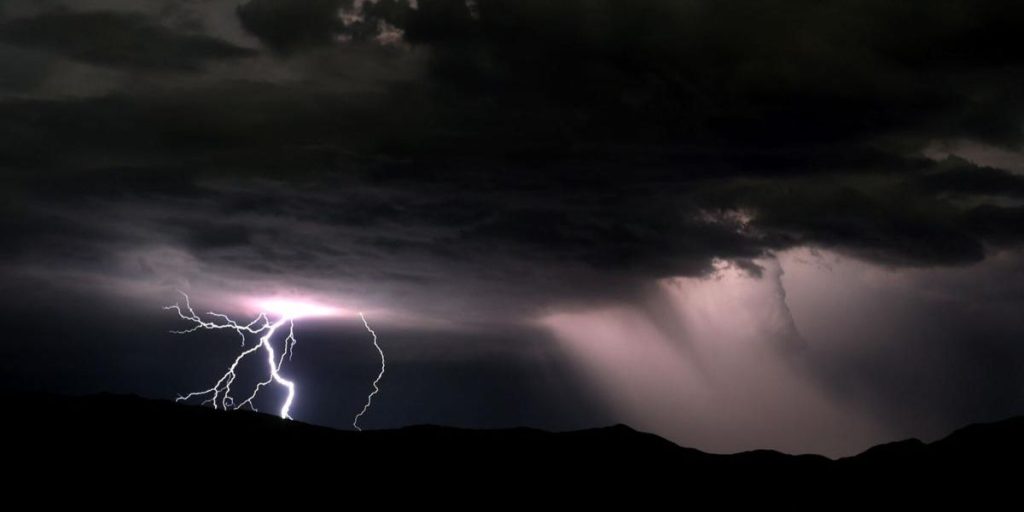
286 311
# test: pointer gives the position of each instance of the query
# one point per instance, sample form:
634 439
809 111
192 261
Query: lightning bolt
219 395
383 365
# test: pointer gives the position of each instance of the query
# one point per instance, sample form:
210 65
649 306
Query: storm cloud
116 39
492 162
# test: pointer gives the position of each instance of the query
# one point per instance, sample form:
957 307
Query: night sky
738 224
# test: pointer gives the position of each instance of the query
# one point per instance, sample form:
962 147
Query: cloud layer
498 161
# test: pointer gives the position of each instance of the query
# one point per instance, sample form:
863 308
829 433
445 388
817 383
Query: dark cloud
23 70
636 139
759 74
295 25
290 24
632 141
117 39
957 176
1000 224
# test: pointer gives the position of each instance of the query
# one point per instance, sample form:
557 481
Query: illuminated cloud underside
810 357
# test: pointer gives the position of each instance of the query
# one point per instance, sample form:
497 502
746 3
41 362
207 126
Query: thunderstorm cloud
530 176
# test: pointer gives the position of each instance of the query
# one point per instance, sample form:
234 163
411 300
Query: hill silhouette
93 441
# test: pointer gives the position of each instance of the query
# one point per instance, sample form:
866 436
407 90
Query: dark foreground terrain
64 449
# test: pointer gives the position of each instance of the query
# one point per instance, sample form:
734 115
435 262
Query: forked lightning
220 395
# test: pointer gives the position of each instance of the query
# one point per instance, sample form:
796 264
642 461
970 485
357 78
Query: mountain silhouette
92 442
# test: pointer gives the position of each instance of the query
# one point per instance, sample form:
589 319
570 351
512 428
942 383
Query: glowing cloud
295 309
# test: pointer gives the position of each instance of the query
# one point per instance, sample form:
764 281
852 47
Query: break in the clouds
510 162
